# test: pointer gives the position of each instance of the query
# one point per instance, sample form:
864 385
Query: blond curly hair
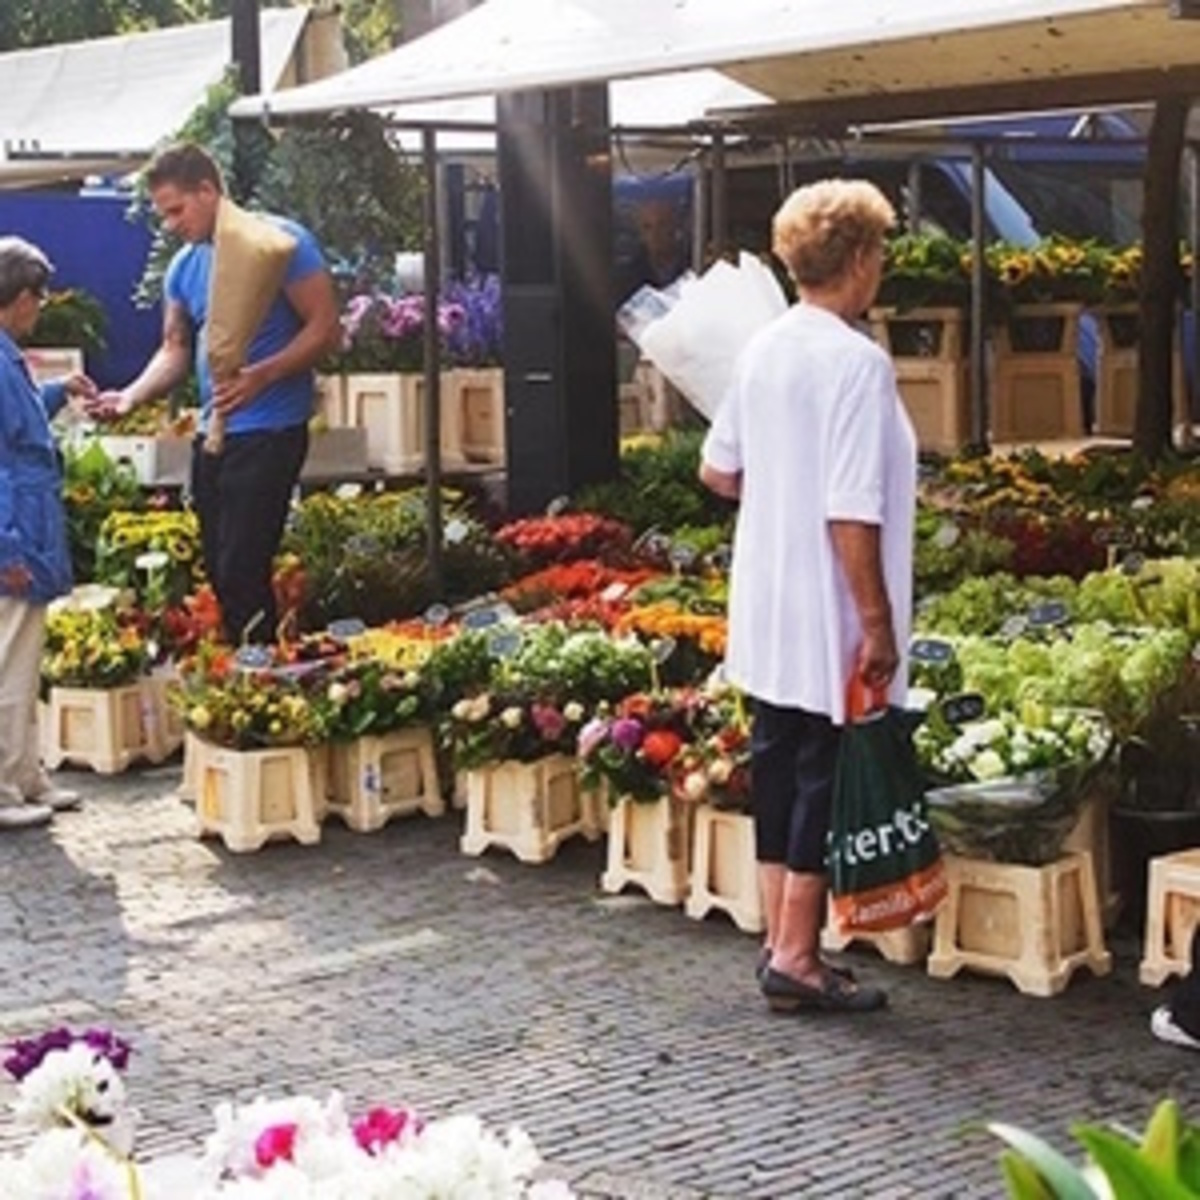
820 227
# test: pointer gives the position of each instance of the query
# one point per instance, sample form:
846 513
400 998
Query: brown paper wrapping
250 259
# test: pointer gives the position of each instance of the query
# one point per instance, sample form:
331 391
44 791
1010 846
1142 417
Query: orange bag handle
863 699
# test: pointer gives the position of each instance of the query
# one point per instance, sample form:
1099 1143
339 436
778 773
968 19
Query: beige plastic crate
649 846
724 873
1035 395
1172 914
156 461
1035 925
390 409
480 406
250 797
373 779
529 809
105 729
901 946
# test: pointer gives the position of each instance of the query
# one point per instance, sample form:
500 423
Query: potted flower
921 318
475 383
381 756
382 357
93 680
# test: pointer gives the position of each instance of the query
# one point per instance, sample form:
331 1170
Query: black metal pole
979 395
720 197
433 397
247 51
1187 401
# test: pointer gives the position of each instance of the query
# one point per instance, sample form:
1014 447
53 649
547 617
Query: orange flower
660 746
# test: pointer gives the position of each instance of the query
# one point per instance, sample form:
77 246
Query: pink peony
277 1143
383 1126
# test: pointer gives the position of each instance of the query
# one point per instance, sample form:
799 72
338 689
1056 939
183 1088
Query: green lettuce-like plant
1163 1165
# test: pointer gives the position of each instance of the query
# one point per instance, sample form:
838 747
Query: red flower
660 746
275 1144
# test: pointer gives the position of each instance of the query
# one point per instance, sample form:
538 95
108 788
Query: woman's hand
15 579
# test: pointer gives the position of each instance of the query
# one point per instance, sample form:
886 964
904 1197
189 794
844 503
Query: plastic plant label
682 556
931 650
253 658
482 618
436 614
504 643
1133 563
361 543
720 559
1049 614
705 608
1140 503
962 710
614 592
662 649
946 535
456 531
1014 627
346 628
1112 535
558 506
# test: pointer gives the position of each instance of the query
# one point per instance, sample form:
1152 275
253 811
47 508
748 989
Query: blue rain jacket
33 527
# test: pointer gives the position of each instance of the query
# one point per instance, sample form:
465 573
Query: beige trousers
22 636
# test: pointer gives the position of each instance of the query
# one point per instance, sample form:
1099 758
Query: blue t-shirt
285 403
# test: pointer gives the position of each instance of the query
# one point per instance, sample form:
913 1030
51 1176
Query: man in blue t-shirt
242 494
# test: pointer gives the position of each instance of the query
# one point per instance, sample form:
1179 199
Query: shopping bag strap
863 699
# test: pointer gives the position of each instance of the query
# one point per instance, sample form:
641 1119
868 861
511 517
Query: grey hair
22 266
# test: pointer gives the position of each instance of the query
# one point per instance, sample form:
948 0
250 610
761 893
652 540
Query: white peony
77 1079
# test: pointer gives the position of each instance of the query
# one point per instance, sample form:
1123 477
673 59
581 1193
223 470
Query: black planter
1138 836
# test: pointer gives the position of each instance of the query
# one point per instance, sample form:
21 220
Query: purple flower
591 736
26 1056
626 733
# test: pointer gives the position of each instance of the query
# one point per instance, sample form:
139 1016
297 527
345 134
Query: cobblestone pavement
628 1039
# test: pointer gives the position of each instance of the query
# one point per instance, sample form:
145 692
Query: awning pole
979 395
433 399
720 197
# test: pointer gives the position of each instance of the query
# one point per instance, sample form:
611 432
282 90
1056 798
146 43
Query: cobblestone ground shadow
628 1040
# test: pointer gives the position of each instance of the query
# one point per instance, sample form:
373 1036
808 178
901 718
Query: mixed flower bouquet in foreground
72 1097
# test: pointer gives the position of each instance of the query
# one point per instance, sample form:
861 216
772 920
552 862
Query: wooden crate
1172 914
1117 374
1035 925
529 809
390 408
648 847
373 779
1035 393
724 874
250 797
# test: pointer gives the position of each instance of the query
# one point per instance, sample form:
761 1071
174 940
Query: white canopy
116 98
792 50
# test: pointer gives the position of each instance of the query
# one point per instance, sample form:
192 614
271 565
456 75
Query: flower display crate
648 848
928 349
633 409
250 797
329 401
157 461
1035 925
193 753
1091 833
48 363
164 724
529 809
905 947
479 406
390 408
105 729
724 873
1172 914
1035 392
335 452
374 779
1117 375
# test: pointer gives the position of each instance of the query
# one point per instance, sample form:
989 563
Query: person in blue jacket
241 495
35 564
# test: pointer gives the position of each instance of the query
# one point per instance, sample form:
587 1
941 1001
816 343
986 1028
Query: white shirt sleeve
856 484
722 449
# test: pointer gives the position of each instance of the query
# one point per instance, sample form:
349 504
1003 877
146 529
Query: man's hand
108 406
15 579
239 390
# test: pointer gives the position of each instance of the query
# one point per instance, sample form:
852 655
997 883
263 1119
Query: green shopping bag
885 866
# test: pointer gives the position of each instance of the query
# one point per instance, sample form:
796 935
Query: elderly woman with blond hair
813 441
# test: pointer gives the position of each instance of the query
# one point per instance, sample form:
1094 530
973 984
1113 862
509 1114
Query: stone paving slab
627 1039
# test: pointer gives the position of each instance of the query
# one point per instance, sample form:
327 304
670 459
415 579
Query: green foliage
657 485
73 317
93 487
1164 1165
925 270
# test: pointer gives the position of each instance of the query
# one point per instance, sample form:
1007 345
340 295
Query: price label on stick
931 650
436 615
1112 535
346 628
253 658
1133 563
662 649
1014 627
558 506
482 618
720 559
962 710
504 643
1048 614
682 556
